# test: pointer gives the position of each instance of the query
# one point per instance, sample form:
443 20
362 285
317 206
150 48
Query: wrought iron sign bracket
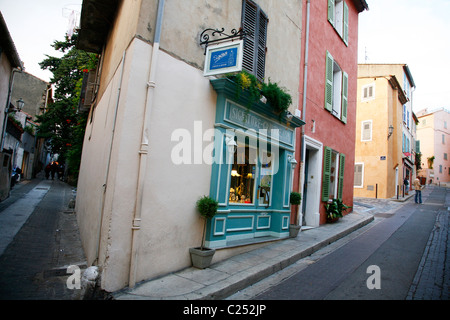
207 33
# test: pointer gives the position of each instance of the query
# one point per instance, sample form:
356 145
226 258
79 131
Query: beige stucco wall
384 110
170 224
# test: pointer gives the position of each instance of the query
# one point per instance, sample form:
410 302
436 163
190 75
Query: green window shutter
345 27
329 82
344 97
331 11
326 174
341 175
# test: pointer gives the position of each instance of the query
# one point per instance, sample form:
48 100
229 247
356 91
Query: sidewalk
226 277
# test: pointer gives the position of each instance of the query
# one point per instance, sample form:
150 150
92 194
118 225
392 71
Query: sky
413 32
34 25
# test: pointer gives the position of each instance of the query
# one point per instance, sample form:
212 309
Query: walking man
418 188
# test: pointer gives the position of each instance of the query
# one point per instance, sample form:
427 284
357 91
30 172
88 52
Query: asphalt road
404 253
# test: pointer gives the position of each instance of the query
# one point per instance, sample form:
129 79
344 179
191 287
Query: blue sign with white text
223 59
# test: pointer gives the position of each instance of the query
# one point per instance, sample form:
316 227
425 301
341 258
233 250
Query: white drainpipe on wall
136 226
305 82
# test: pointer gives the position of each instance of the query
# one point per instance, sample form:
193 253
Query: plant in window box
201 257
295 199
335 209
277 97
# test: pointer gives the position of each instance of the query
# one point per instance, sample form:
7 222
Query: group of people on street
54 168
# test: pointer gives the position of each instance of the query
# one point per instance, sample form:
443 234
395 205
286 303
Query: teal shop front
252 171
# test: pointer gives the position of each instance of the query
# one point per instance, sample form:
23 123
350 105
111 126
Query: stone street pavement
38 240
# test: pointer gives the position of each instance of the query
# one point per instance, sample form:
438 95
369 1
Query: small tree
207 207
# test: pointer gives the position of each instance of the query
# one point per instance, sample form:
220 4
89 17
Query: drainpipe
151 84
305 83
8 102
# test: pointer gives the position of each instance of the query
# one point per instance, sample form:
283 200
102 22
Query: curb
233 283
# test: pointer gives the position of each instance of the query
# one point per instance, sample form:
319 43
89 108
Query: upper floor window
338 17
336 89
368 92
254 22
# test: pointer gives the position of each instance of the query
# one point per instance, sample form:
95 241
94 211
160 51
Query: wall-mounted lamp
231 144
18 107
292 161
20 104
390 131
289 115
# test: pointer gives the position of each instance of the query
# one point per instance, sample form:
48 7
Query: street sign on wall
223 58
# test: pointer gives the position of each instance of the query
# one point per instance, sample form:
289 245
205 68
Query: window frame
341 24
362 130
330 96
360 186
326 174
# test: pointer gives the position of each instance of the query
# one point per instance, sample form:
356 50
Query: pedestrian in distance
418 188
48 168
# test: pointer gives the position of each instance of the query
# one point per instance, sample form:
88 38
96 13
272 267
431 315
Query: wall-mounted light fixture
390 130
292 161
231 144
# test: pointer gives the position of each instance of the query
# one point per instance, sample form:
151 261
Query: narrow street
38 240
407 245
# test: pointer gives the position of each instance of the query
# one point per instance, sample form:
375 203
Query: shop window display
243 173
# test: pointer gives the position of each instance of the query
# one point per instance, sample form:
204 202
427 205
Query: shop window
243 174
254 22
265 184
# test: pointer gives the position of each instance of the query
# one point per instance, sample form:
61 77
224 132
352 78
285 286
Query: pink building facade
327 103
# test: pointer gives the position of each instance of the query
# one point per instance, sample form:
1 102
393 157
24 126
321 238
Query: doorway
311 182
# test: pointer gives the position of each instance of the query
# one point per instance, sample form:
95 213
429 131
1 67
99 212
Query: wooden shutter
254 23
326 174
329 82
345 27
341 176
331 11
344 97
262 40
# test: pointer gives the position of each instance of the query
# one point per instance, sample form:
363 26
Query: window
445 156
443 139
336 89
338 17
242 187
368 92
333 175
254 22
366 130
358 177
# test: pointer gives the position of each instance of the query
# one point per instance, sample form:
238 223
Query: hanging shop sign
223 58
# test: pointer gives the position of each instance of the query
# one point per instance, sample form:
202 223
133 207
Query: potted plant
335 209
295 199
201 257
